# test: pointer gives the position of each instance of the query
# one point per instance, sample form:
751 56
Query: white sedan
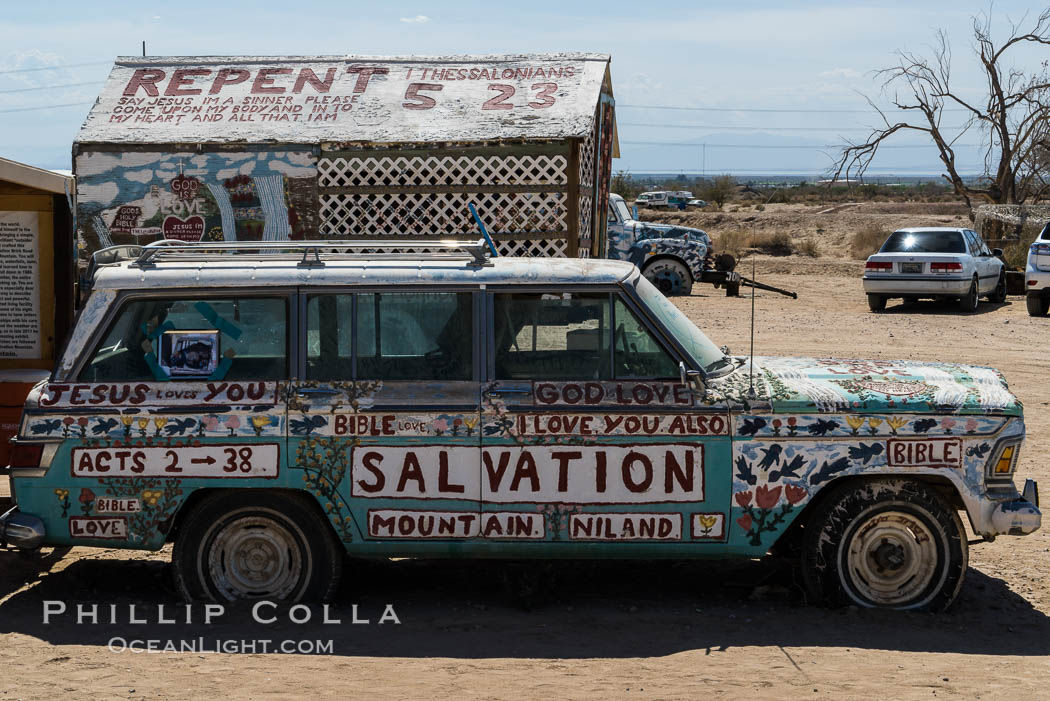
934 263
1037 274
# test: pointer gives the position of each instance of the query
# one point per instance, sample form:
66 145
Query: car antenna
751 360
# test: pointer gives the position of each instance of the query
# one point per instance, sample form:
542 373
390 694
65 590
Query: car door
181 390
384 424
589 439
988 265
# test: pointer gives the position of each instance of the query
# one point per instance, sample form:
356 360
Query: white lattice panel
586 203
440 213
587 153
381 171
545 248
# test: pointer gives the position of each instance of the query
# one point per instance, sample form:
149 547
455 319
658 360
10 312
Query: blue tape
158 372
220 371
166 326
209 313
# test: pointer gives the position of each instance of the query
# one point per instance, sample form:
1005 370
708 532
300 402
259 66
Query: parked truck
672 257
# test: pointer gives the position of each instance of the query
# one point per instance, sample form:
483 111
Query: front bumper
1019 516
916 285
21 530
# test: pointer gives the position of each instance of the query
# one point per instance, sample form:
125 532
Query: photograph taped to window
189 353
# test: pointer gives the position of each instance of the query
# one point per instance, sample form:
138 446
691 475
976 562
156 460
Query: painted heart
191 229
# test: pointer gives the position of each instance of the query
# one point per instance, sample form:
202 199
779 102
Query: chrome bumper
21 530
1020 516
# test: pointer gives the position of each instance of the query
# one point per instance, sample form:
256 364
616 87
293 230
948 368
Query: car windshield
924 242
692 339
621 207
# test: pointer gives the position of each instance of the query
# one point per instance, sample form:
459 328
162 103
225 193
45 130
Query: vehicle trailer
673 257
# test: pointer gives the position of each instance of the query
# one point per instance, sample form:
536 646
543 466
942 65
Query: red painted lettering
145 78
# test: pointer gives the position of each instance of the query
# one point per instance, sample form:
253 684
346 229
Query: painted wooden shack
356 147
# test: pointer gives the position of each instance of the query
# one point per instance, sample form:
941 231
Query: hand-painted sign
104 528
211 460
620 474
170 393
310 99
618 393
678 424
397 523
933 452
632 526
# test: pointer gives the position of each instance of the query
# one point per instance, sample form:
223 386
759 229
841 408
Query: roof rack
147 256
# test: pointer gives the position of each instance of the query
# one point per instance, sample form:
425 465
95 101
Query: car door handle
319 391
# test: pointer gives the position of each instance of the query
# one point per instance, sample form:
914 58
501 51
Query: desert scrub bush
776 243
867 240
734 241
807 247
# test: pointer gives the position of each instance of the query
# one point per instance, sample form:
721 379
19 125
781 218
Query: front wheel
892 544
998 295
671 276
256 544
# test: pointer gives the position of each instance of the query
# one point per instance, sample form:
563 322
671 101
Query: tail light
946 267
26 454
1040 249
878 265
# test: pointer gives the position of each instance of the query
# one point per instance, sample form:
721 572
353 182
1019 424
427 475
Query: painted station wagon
268 406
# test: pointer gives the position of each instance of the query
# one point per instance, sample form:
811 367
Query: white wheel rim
255 557
891 559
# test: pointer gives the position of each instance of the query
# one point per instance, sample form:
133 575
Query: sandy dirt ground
609 630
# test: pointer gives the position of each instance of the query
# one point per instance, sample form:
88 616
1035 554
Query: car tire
968 303
256 544
876 303
890 543
1037 305
998 295
670 275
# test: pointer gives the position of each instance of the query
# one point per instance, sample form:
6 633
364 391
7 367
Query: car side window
187 339
328 337
415 336
637 354
553 336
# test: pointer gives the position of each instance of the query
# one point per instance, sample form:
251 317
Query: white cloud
292 171
139 176
418 19
103 193
841 73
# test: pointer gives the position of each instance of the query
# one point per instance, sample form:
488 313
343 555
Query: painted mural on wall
140 197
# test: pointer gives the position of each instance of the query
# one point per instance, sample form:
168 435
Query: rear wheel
885 544
256 544
998 295
670 275
1037 305
968 303
876 303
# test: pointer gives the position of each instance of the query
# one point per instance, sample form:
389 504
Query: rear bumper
1036 280
916 285
21 530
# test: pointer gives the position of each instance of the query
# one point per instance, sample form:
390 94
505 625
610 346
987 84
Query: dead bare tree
1013 123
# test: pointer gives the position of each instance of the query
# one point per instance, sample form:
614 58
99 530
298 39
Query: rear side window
187 340
420 336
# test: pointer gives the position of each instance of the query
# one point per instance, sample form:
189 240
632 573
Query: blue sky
733 57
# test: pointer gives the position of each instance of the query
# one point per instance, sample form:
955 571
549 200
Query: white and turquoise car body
618 431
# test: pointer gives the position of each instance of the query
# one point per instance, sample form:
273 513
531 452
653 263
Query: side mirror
997 252
687 376
634 212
